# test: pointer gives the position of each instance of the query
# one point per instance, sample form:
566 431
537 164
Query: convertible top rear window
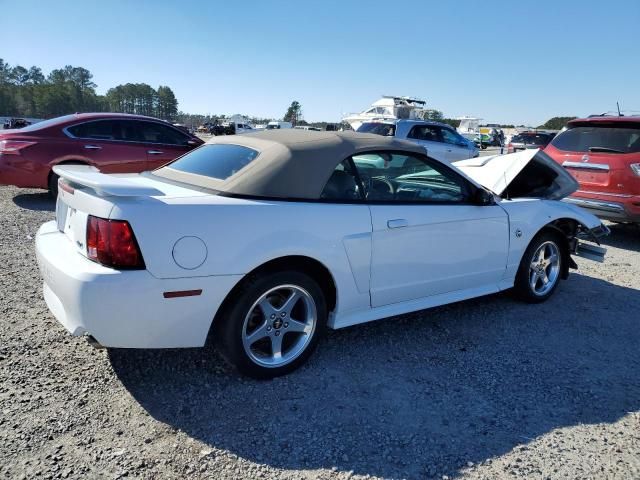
218 161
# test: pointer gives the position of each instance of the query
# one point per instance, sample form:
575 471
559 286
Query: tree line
27 92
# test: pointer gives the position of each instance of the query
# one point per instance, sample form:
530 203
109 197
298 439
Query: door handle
397 223
154 152
92 147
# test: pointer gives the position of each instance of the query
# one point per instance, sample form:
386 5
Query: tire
530 283
53 185
258 319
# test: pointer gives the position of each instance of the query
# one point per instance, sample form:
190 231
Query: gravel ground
488 388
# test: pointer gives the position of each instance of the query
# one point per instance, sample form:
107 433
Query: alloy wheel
544 270
279 326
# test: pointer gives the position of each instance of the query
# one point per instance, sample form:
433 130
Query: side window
153 132
98 130
342 184
130 131
448 136
425 132
395 177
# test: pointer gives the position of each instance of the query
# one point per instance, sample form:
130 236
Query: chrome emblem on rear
585 158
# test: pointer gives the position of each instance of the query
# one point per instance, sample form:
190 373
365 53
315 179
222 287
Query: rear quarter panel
240 235
31 168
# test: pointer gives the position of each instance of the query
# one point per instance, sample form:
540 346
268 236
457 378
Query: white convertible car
259 242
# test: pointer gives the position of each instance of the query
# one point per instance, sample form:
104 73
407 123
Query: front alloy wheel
540 268
544 270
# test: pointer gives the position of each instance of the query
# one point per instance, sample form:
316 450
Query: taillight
113 244
636 168
13 147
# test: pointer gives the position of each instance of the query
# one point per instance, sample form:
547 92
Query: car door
429 137
455 146
163 143
429 238
107 144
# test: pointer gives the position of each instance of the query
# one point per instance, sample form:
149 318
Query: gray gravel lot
489 388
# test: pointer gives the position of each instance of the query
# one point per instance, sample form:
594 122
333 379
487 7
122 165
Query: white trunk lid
86 192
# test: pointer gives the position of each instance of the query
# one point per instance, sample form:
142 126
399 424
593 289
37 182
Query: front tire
272 325
540 268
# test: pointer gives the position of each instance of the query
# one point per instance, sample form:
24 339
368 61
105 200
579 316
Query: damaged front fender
587 249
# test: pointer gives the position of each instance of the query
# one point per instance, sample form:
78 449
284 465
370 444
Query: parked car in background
603 154
197 251
13 123
483 140
111 142
307 127
441 141
275 125
233 128
525 140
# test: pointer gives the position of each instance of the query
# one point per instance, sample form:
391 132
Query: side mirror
483 197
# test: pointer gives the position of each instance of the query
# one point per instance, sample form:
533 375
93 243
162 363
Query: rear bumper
124 309
620 208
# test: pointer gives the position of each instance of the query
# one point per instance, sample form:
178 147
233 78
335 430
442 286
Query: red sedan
111 142
603 154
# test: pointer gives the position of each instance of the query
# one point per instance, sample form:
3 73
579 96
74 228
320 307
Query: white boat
389 107
469 125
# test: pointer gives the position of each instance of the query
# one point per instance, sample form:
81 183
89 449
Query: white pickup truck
441 141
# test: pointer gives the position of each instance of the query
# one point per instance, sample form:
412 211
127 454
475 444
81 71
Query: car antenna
619 114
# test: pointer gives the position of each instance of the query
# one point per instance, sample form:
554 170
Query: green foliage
27 93
294 113
434 115
556 123
438 116
167 104
451 121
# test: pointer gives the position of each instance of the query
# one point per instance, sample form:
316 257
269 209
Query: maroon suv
112 142
603 154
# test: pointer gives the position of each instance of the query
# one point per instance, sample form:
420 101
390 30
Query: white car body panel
527 216
435 236
496 172
444 253
124 308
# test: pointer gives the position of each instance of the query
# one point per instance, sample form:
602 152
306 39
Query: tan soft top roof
291 163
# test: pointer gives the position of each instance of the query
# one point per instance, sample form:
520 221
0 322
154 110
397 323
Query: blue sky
505 61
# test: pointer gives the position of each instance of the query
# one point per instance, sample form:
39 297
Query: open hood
529 173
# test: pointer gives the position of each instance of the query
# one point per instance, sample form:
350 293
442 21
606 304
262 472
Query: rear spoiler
103 184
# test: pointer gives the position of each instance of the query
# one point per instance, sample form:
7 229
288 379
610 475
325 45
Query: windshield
384 129
600 138
218 161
